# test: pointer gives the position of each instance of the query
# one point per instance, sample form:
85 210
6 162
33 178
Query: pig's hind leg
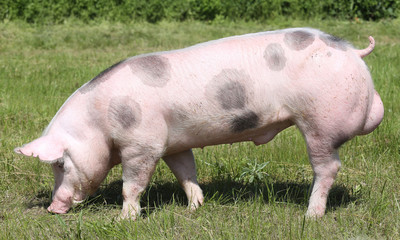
183 166
324 159
325 169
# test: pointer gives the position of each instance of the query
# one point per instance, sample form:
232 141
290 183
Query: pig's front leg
136 173
183 166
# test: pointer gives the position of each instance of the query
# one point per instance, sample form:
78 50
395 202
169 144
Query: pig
240 88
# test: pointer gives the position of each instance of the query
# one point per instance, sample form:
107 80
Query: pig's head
74 180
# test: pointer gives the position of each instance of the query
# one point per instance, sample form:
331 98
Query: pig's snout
61 202
59 207
62 206
375 115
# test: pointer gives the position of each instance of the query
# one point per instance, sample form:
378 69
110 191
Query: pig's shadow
223 191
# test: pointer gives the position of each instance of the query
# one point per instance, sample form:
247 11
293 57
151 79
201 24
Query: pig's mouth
77 202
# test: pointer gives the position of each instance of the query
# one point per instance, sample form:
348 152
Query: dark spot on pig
275 57
229 89
334 42
245 121
103 76
329 54
124 111
298 40
125 116
153 70
232 95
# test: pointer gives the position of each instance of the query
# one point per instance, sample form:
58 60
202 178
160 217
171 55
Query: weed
253 172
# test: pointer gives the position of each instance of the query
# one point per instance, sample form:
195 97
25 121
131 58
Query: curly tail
365 52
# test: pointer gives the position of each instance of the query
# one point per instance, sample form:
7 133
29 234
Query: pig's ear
46 148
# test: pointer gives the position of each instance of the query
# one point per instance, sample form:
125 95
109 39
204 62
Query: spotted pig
241 88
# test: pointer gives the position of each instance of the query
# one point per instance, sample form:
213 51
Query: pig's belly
199 139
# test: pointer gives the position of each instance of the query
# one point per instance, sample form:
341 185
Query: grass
40 66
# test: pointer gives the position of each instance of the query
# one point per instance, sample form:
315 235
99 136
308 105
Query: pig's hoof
193 205
131 217
312 214
196 198
129 214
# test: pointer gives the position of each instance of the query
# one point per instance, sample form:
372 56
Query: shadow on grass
220 191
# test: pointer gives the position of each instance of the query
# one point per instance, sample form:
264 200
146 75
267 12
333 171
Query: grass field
40 66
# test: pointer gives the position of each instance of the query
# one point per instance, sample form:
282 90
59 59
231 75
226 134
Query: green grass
40 66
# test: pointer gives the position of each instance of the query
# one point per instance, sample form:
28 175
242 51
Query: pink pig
241 88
